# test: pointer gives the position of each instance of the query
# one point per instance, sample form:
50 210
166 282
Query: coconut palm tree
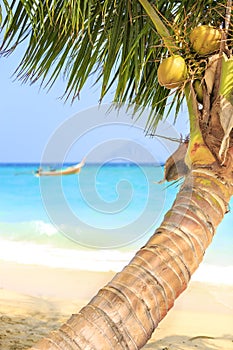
123 44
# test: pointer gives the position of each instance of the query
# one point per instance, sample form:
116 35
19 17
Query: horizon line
75 162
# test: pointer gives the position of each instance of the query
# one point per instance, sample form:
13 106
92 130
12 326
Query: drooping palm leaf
114 40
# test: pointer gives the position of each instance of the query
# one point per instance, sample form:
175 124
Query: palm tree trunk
124 313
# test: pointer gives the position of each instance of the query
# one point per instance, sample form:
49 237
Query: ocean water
96 220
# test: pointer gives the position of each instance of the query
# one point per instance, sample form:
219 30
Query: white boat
73 169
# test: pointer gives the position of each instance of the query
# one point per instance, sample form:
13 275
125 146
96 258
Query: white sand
34 300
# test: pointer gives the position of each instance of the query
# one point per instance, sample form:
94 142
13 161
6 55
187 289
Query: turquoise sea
95 220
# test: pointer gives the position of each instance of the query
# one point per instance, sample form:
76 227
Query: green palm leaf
114 40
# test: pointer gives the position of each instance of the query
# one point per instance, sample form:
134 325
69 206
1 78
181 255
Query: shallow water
94 221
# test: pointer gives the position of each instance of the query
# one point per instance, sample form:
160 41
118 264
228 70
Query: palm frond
115 41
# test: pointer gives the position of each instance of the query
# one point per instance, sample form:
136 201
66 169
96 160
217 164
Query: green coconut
205 39
172 72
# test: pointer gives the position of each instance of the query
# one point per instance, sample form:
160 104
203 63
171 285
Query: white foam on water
95 260
45 255
44 228
214 274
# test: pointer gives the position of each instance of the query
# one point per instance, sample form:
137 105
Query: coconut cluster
173 71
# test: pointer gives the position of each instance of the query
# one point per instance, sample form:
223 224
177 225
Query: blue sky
30 115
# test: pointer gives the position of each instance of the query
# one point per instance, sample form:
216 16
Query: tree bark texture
127 310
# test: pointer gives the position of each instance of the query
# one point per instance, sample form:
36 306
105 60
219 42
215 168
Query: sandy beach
35 300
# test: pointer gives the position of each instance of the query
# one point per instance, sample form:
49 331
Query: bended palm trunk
124 313
126 47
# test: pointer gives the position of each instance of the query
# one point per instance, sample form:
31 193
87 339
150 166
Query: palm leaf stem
160 26
198 153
